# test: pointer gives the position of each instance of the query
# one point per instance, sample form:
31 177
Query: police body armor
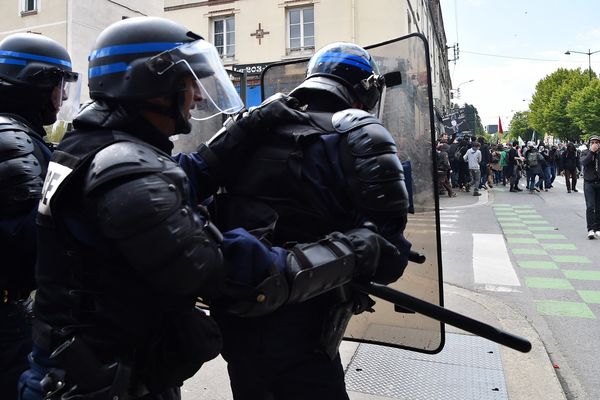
23 162
272 190
92 303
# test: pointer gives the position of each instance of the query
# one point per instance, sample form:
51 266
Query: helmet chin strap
174 111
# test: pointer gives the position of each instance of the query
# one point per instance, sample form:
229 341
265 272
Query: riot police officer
34 74
332 167
124 252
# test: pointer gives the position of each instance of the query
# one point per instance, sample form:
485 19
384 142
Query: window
224 36
28 6
301 28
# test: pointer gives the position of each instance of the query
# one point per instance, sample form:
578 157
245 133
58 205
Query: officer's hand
376 259
277 109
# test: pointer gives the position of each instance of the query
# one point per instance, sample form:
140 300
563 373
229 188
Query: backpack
532 159
460 152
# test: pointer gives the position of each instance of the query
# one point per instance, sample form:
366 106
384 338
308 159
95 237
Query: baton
442 314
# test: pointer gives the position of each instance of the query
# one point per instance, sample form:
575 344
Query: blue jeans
591 192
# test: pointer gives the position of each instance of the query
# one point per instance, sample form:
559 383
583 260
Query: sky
507 46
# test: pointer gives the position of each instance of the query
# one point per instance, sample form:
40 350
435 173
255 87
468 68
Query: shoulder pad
352 118
123 159
370 140
14 139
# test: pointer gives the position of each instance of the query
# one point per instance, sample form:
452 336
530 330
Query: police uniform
335 169
32 68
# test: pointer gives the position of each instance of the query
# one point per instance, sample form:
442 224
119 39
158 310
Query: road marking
491 263
564 309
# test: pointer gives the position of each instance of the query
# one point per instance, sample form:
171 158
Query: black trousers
278 357
591 192
15 345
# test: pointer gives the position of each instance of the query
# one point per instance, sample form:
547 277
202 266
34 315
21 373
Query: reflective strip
133 49
12 61
107 69
36 57
346 59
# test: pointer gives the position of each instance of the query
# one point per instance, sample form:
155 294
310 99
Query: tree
584 108
520 127
548 105
474 120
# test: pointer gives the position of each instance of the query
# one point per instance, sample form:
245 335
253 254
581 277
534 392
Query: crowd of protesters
470 164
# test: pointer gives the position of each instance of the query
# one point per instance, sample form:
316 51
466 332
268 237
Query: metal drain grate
469 367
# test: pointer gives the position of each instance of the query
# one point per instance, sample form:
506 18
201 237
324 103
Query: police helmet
31 60
347 71
146 57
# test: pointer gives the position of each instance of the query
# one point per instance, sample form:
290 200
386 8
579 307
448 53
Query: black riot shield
406 110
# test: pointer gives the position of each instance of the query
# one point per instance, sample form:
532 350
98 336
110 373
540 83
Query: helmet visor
66 98
202 61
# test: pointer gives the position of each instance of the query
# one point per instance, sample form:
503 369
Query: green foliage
550 104
472 116
584 109
520 126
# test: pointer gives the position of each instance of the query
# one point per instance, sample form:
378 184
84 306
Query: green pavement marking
547 283
536 222
572 259
516 232
590 296
542 228
530 251
522 240
582 275
564 309
532 216
549 236
538 264
509 219
559 246
502 205
523 206
514 224
525 212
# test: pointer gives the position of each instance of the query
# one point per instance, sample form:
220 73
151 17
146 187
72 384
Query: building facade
250 34
73 23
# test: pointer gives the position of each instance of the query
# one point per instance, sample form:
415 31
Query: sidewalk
469 367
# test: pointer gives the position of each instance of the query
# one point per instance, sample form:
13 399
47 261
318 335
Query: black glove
377 259
276 110
240 136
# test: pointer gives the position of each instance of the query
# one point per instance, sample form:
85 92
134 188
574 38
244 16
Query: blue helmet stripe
134 48
36 57
12 61
107 69
346 59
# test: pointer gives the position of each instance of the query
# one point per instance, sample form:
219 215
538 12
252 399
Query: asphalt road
531 252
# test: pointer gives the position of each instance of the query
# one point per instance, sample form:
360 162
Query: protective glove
377 259
241 135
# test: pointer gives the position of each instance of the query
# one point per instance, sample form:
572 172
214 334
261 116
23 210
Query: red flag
500 131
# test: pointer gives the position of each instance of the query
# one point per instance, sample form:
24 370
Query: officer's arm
140 203
20 173
375 180
261 279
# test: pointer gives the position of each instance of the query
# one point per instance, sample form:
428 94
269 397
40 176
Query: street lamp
589 54
459 85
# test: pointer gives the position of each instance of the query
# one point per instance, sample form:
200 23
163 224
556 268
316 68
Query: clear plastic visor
200 58
66 99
